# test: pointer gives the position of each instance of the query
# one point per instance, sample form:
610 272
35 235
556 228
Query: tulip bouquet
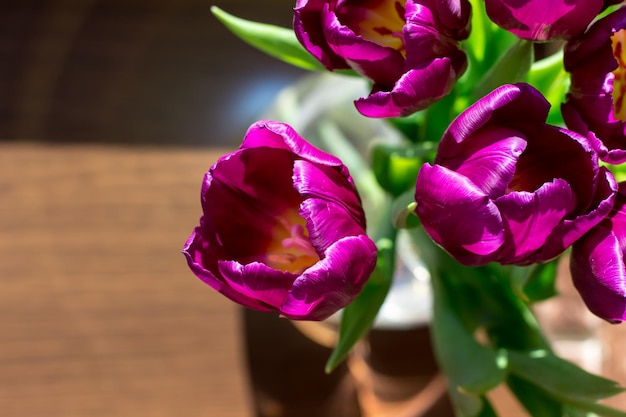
508 160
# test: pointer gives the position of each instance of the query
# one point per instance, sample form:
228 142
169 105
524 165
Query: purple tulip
543 20
597 264
596 102
409 49
282 227
507 187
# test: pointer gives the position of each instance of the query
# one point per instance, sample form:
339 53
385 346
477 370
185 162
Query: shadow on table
286 371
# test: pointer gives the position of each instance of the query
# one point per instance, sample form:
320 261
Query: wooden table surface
99 315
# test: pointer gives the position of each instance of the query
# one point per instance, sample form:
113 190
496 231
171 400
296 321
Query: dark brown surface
133 71
99 315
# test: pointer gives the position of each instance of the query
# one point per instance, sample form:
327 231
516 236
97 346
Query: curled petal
592 116
451 17
254 188
597 264
511 105
458 215
379 63
327 222
335 280
568 232
530 218
307 15
543 20
320 182
257 281
415 90
271 134
595 43
599 273
596 96
490 160
194 251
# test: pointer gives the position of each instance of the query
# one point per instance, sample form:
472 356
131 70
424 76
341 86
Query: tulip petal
565 234
381 64
271 134
599 273
334 280
317 181
195 250
490 159
327 222
589 108
307 15
415 90
577 162
511 105
458 215
248 191
257 281
592 116
530 217
543 20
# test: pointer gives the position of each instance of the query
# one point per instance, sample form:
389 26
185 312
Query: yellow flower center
619 81
290 249
381 22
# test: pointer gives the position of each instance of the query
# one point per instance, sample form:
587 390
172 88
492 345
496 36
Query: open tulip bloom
506 165
408 49
596 102
507 187
544 20
282 227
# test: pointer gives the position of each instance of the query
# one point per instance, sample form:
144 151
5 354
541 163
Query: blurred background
111 111
133 71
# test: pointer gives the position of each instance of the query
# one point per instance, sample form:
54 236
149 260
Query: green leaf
483 297
396 166
358 316
549 76
534 399
536 282
471 368
560 378
511 67
275 41
403 211
569 411
487 410
409 125
438 117
486 44
551 386
590 409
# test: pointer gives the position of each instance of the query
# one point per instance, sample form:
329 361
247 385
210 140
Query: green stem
596 408
438 118
512 67
358 316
